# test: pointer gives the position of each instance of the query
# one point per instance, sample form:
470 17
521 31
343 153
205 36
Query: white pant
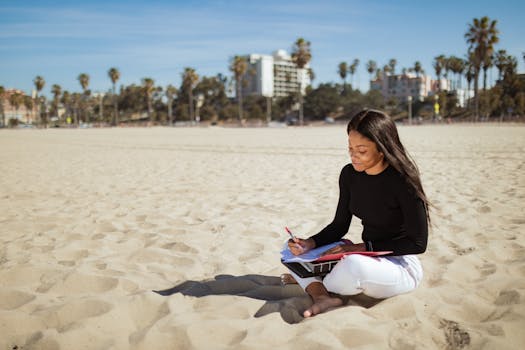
377 277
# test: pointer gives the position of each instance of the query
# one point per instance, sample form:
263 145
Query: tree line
206 99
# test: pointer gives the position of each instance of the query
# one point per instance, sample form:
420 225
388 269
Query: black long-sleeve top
393 217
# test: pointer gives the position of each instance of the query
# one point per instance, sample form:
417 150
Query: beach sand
93 221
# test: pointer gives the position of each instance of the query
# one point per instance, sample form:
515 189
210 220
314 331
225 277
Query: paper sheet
314 254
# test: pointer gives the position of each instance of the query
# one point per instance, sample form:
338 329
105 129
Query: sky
157 39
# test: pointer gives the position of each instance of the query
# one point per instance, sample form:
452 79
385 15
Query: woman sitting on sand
382 187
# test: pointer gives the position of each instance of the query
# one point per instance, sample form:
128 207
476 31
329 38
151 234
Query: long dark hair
381 129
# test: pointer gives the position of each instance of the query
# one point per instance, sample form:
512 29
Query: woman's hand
343 248
300 246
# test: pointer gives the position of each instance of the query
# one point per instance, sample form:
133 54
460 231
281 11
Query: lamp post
200 101
409 100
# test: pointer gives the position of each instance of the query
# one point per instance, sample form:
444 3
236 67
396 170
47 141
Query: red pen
291 234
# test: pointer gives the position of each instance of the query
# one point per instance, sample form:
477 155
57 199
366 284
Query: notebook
314 263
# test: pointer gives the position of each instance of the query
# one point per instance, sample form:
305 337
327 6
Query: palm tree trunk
476 97
468 97
149 109
115 104
101 109
301 116
191 105
484 79
170 112
268 109
239 97
2 113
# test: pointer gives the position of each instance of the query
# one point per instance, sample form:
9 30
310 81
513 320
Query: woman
382 187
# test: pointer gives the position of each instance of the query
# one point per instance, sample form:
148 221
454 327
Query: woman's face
365 155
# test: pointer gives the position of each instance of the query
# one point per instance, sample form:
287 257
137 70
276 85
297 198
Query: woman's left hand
343 248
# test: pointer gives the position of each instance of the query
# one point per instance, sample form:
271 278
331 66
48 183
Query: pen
291 234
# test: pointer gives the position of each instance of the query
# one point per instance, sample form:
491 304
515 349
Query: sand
93 221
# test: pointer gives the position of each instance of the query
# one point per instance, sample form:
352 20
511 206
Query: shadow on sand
289 300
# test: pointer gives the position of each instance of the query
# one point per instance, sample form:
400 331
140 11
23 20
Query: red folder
339 256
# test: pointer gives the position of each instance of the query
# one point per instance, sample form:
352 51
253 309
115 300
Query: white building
409 84
403 85
274 76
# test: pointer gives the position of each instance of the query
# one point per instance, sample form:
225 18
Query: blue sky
61 39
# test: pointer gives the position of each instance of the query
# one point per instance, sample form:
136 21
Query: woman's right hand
300 246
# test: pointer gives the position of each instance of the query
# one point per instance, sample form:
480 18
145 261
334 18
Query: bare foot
322 304
286 278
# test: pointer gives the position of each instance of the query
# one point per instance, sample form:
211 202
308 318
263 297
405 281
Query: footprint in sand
459 250
12 299
455 336
49 279
508 297
77 283
64 316
179 247
37 341
98 236
484 209
487 269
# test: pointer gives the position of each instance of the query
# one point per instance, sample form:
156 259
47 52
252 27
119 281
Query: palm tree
352 69
301 56
114 75
417 68
16 100
148 85
171 91
83 79
392 64
446 67
56 90
456 66
189 80
488 62
481 37
500 61
2 91
469 76
475 67
39 85
371 67
343 70
460 67
239 66
386 70
439 64
76 100
28 104
66 102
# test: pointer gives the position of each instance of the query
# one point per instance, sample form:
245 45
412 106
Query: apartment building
403 85
409 84
274 75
